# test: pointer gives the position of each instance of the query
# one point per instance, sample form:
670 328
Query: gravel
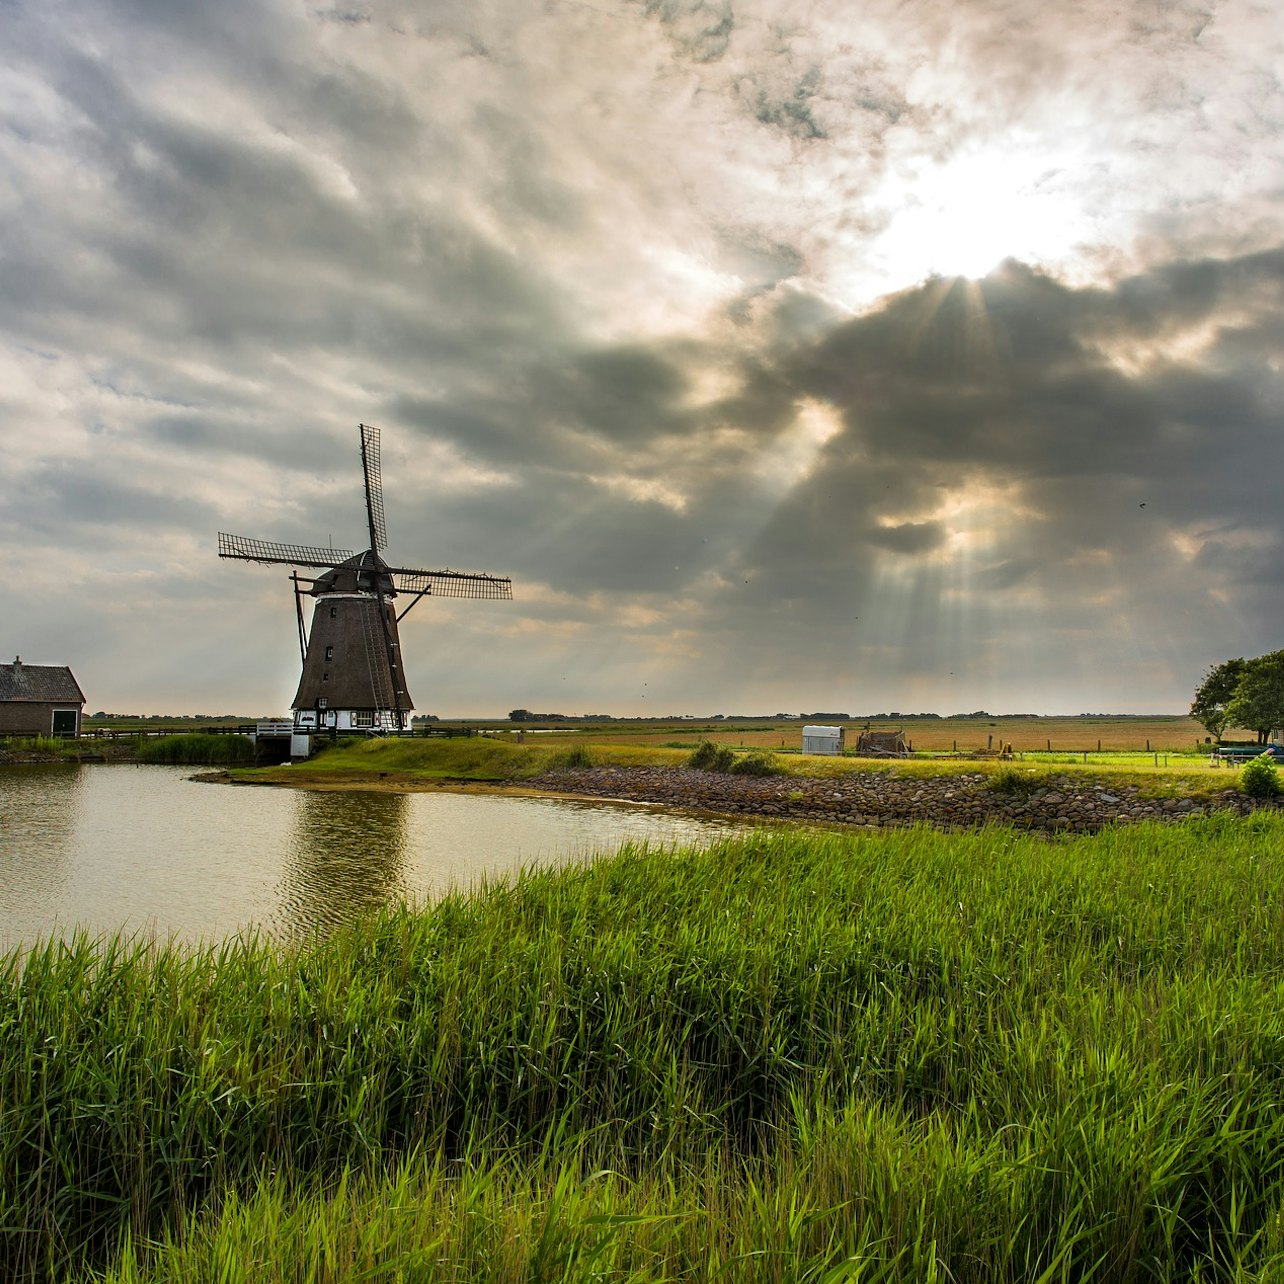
872 799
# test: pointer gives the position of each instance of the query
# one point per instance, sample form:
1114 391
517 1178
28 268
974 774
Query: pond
149 850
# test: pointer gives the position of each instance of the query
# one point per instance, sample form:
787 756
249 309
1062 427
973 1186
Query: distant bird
1142 504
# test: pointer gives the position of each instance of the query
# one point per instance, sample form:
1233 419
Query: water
148 850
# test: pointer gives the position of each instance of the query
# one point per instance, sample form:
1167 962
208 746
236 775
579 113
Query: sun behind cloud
966 214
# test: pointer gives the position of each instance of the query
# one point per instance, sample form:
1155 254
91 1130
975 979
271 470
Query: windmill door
64 722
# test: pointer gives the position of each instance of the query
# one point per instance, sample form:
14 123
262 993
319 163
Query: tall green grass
196 749
62 746
909 1056
465 758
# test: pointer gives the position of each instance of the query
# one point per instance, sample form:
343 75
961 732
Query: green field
1171 734
910 1056
389 762
1165 733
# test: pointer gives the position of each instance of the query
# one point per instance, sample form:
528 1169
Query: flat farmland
1159 734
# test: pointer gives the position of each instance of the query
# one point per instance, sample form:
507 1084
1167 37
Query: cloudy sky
788 356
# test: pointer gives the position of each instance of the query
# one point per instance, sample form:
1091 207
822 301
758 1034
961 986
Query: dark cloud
699 30
909 537
790 111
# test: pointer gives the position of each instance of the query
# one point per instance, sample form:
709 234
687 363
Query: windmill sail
373 472
262 550
453 584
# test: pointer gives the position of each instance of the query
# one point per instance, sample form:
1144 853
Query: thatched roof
357 665
39 683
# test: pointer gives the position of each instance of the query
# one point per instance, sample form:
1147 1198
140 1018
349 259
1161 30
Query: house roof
39 682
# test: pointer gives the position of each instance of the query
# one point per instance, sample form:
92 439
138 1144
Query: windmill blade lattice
453 584
373 469
262 550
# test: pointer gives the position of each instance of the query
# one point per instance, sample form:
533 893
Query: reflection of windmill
352 671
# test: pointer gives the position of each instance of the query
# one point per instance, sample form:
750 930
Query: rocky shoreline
875 799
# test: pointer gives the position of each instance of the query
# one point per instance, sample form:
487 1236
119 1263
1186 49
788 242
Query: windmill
353 677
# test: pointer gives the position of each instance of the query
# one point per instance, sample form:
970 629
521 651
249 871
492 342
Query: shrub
1021 784
574 758
707 756
757 762
1259 779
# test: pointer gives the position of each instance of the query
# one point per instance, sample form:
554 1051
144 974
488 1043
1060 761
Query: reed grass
198 749
794 1056
49 746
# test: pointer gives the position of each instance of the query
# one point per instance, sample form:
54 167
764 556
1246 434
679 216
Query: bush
757 762
1020 784
1259 779
573 759
710 757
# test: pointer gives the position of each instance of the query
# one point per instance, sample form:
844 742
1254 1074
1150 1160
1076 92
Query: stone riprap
883 798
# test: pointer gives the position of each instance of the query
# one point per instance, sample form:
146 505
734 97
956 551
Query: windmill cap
354 575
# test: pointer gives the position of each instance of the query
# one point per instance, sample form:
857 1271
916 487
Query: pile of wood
882 744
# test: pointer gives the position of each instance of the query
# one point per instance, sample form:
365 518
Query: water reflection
146 850
39 807
346 856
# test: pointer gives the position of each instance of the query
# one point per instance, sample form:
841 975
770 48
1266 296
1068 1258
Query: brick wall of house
29 717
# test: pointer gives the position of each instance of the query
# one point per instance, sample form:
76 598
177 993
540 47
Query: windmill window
325 677
329 653
334 610
322 702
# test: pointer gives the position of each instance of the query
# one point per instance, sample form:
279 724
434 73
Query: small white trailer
828 740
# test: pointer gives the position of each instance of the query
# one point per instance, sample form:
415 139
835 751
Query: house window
363 718
322 702
329 653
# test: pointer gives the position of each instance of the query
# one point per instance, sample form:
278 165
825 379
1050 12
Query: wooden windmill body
353 678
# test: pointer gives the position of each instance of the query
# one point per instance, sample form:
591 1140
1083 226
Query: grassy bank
794 1057
479 758
39 748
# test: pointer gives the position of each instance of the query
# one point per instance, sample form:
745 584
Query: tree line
1242 693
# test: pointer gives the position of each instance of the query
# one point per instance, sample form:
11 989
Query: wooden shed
39 700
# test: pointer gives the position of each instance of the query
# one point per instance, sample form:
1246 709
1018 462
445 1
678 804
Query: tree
1258 702
1214 696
